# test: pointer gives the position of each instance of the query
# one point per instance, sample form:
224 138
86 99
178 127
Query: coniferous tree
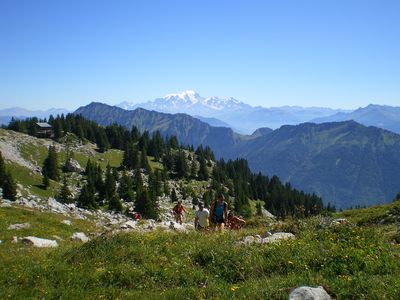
145 206
154 192
173 142
138 183
130 158
174 197
207 199
111 197
203 171
114 203
181 165
9 187
2 171
193 170
134 134
166 188
86 198
168 161
102 140
258 209
57 128
45 181
50 167
144 163
65 194
125 189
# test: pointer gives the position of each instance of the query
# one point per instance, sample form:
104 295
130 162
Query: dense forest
233 178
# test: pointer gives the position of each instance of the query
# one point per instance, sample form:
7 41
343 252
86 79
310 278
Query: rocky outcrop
71 165
309 293
19 226
39 242
268 238
80 236
66 222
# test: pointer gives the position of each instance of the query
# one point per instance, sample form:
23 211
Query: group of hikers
217 218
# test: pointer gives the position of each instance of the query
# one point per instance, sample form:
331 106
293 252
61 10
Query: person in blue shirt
219 213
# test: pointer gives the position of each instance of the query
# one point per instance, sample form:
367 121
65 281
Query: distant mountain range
21 113
187 129
240 116
346 163
383 116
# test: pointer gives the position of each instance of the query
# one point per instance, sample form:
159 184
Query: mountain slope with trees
188 130
152 166
346 163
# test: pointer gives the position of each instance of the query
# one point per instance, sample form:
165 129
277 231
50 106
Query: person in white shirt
201 217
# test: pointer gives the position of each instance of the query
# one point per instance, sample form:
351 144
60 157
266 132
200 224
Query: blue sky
340 54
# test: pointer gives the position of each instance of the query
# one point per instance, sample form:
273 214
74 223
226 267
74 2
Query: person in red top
178 212
235 222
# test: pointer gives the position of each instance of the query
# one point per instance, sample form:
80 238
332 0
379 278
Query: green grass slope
350 261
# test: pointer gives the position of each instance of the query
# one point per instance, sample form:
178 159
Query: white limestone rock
72 165
66 222
309 293
247 240
5 203
268 238
129 225
39 242
80 236
19 226
278 236
177 227
339 221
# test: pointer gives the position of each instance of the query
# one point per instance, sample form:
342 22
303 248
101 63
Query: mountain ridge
242 117
346 163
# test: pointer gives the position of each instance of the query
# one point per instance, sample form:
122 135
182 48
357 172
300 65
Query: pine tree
50 167
207 199
174 197
130 160
65 194
181 165
125 189
193 170
258 209
111 197
102 140
45 181
142 203
114 203
2 171
144 163
9 187
203 171
166 188
86 198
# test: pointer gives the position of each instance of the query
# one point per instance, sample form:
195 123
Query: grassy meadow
349 261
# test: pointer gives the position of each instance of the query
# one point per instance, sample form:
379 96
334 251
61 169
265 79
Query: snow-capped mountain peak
190 102
186 96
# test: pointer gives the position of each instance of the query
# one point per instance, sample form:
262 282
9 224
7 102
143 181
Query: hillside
101 253
347 163
350 259
188 130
